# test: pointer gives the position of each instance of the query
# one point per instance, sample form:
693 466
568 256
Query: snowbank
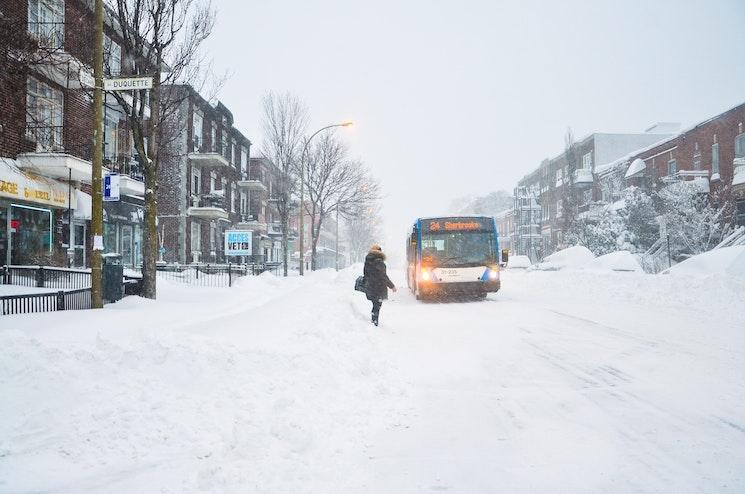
518 262
727 261
621 260
570 258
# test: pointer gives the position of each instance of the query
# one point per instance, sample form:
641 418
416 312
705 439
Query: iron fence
45 277
203 274
46 302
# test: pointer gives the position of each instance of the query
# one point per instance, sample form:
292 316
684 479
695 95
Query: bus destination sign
435 225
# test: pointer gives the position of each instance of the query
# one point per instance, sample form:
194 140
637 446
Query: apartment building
711 153
570 174
46 134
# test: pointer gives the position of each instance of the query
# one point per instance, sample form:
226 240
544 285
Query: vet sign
111 187
238 243
127 83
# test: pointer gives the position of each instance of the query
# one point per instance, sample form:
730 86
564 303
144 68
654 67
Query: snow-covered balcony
130 186
208 158
57 165
252 185
583 178
209 206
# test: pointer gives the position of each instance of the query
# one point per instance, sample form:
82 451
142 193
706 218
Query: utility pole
337 238
97 213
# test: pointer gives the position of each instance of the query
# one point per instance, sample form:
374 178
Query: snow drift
727 261
569 258
621 260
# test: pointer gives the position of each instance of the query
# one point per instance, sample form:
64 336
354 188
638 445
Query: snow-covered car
518 262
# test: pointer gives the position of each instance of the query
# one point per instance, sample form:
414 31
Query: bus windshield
459 249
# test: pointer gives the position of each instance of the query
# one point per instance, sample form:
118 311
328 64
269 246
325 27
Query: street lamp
302 184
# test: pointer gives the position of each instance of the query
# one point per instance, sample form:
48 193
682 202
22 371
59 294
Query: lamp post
302 186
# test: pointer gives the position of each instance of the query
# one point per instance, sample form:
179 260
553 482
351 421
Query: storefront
33 212
122 229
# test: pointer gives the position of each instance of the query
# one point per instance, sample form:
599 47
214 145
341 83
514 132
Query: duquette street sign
128 83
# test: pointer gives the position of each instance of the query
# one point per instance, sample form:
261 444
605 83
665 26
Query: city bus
454 255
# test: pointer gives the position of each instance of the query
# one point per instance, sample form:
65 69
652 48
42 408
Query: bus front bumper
461 288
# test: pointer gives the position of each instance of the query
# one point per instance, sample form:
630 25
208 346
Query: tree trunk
150 232
285 246
315 244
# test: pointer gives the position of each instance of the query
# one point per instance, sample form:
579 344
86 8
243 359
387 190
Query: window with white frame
196 236
672 167
740 146
197 127
113 128
244 203
587 161
46 22
697 161
244 158
213 181
44 115
213 137
233 197
236 154
112 56
715 158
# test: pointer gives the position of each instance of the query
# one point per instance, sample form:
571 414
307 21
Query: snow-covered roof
637 166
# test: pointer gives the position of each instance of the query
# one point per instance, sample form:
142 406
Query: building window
213 137
715 158
244 158
196 180
113 130
213 237
112 56
672 167
244 203
196 236
233 198
587 161
236 154
213 181
46 22
197 125
697 161
44 114
225 144
740 146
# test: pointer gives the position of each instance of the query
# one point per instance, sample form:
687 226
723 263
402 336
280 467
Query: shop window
31 235
45 109
110 238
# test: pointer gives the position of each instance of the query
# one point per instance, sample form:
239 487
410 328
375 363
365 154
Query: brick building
571 174
46 137
710 152
204 186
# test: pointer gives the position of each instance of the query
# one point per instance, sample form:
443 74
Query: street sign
238 243
128 83
111 187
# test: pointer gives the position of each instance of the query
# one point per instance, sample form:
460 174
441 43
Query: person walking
376 280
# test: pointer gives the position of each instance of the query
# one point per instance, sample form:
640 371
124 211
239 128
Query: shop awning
29 187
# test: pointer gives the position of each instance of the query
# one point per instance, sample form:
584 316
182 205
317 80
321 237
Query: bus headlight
494 273
426 275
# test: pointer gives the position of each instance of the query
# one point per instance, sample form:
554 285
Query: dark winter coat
376 279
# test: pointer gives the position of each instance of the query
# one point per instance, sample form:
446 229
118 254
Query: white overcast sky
465 97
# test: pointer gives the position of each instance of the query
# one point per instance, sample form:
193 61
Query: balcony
251 222
738 179
252 185
131 181
583 178
207 156
208 206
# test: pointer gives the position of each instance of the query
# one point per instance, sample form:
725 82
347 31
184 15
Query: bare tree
284 122
569 201
362 231
162 39
335 184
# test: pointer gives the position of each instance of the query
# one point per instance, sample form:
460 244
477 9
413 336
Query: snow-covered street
562 382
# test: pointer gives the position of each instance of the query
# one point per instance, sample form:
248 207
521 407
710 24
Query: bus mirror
505 256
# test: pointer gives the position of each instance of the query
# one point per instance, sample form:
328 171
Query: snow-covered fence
656 259
213 275
46 302
46 277
737 237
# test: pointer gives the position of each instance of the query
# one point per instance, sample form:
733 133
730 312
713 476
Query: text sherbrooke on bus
454 255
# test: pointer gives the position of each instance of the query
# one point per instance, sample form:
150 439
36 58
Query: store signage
111 187
128 83
40 191
238 243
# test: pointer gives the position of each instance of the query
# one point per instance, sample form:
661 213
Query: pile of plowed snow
727 261
621 260
581 258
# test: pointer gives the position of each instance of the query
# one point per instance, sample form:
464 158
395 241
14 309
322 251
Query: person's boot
375 319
